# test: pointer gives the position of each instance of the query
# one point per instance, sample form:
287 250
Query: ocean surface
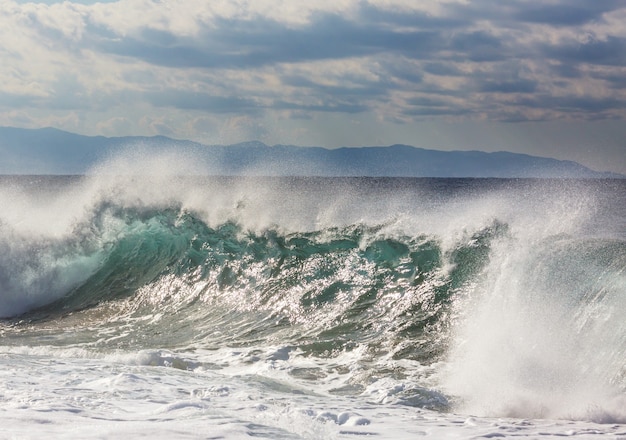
144 301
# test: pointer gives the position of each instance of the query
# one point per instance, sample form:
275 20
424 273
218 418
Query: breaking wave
490 298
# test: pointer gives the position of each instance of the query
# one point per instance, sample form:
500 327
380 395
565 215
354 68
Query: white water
524 362
66 394
543 341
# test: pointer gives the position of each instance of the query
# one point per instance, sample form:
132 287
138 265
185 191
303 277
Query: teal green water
449 266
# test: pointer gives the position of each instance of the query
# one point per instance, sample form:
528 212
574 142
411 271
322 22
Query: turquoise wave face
498 295
325 290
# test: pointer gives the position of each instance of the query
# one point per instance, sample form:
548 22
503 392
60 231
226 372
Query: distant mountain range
52 151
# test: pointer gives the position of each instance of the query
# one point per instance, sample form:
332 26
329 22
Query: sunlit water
144 300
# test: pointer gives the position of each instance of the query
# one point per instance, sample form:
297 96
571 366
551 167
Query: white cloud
250 68
114 126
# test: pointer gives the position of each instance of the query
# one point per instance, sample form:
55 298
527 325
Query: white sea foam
80 397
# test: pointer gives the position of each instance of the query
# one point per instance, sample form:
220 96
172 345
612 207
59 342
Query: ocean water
142 300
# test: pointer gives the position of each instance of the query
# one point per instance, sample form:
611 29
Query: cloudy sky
540 77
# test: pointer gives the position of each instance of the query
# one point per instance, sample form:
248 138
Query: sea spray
540 334
484 297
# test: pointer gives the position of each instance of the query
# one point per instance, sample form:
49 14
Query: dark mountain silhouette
52 151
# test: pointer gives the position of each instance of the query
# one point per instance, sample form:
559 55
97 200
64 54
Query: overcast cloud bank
326 72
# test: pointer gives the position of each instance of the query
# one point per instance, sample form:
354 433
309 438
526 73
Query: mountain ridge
53 151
